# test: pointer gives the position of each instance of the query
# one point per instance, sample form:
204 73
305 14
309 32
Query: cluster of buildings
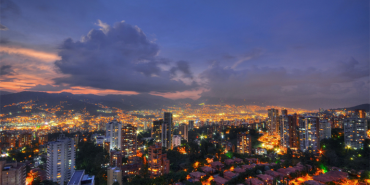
60 165
304 133
295 131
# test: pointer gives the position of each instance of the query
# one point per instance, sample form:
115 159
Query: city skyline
295 54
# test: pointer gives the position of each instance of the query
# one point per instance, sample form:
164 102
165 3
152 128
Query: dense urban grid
185 144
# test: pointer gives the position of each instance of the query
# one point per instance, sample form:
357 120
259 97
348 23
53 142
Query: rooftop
76 177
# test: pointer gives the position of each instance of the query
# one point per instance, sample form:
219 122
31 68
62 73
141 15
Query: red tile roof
331 176
254 181
220 180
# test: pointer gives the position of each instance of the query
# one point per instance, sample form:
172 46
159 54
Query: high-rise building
157 130
360 113
244 144
289 132
325 129
309 130
113 134
176 141
129 140
167 130
114 174
80 178
355 132
43 139
25 140
7 140
273 121
158 164
2 163
115 158
210 132
183 131
12 173
284 112
191 124
60 159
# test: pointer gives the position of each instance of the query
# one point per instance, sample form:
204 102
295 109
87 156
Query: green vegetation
90 158
336 154
170 178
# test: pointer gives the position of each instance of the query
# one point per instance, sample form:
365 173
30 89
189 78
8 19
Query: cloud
118 57
7 7
47 87
4 41
2 27
344 83
40 55
255 53
182 66
6 70
77 90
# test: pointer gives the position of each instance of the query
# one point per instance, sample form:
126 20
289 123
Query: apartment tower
60 159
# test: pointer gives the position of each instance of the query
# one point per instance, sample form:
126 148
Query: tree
90 157
365 175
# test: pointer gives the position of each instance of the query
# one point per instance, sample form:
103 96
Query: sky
302 54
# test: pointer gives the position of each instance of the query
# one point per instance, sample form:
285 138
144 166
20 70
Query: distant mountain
131 102
45 98
366 107
125 102
5 92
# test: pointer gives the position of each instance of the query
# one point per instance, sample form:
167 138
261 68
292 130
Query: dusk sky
304 54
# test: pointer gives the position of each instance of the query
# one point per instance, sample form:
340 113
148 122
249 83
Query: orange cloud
43 56
87 90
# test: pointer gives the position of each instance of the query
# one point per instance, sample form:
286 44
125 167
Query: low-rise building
253 181
229 161
266 179
335 176
230 175
114 174
207 169
80 178
217 165
12 173
220 180
196 176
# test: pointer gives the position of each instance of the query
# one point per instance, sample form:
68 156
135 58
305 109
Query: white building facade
325 129
61 156
309 134
176 141
113 134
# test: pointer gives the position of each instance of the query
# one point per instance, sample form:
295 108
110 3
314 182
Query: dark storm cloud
6 70
347 82
120 58
183 67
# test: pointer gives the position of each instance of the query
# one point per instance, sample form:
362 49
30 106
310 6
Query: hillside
125 102
366 107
